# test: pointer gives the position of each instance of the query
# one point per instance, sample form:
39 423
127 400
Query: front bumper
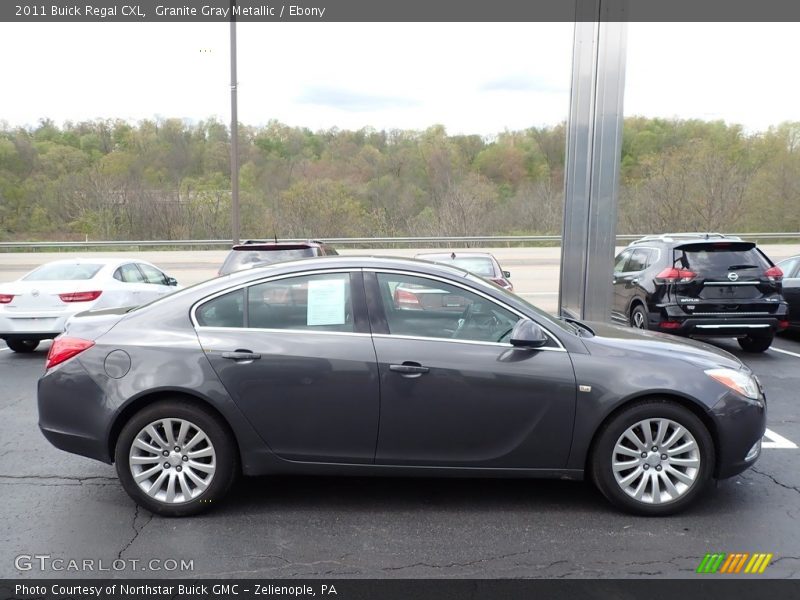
740 424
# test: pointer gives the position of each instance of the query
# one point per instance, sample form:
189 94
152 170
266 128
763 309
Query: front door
453 390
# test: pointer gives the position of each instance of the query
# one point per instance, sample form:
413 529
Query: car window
223 311
129 274
310 302
246 259
480 265
622 258
718 258
63 272
422 307
790 267
638 261
152 275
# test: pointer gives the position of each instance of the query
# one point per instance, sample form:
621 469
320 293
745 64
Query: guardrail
374 241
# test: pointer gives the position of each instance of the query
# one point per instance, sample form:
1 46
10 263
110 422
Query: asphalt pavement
68 508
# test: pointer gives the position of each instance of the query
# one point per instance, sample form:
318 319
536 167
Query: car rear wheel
175 458
23 346
753 343
653 458
639 317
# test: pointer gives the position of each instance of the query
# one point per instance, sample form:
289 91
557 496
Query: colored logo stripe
721 562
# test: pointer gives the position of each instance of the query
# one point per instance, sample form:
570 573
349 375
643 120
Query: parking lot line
795 354
777 441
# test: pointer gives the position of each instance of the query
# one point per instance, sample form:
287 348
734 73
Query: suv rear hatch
719 278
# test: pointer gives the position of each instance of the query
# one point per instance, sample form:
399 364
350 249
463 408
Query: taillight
6 298
669 325
673 275
774 274
405 299
80 296
64 348
783 324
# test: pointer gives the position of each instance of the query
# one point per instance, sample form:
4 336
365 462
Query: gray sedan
317 367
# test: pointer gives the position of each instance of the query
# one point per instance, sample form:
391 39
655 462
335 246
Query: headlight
737 381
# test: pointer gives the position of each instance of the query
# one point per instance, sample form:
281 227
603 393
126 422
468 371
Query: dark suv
700 285
255 253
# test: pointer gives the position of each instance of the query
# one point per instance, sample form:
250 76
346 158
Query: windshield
246 259
63 272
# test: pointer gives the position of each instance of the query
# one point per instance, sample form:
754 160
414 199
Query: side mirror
507 274
172 281
527 334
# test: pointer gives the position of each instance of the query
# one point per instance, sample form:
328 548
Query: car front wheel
752 343
653 458
639 317
175 458
23 346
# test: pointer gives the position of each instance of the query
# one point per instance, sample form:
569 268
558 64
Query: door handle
243 355
409 369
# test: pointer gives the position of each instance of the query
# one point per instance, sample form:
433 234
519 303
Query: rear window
480 265
245 259
63 272
720 258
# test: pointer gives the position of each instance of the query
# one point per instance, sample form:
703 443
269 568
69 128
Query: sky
473 78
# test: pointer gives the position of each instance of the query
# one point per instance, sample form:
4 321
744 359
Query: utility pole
234 135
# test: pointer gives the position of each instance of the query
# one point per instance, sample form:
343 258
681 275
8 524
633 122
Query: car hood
629 341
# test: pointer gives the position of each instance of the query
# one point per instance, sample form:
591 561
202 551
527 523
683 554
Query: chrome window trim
293 331
389 336
258 281
732 283
474 291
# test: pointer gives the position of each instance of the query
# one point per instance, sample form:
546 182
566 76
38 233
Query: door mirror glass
527 334
172 281
507 274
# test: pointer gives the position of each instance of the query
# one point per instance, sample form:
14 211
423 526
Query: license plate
38 325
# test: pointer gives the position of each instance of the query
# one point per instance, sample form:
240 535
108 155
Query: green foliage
169 179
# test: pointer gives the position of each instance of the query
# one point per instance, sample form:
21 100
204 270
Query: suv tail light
6 298
405 299
673 275
64 348
774 274
80 296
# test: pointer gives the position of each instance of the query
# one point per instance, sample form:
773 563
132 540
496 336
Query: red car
480 263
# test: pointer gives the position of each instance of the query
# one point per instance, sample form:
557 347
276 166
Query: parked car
37 306
791 289
255 253
700 285
480 263
309 367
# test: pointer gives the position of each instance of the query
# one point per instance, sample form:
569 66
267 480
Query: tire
753 343
695 469
23 346
638 318
203 486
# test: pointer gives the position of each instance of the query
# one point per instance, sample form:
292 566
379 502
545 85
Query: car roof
452 255
79 260
273 245
686 238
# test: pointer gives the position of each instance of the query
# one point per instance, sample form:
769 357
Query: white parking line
795 354
777 441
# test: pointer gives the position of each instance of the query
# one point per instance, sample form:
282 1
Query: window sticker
326 302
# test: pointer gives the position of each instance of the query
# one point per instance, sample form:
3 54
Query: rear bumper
718 325
32 326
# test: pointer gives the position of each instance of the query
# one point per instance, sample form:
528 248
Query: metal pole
234 135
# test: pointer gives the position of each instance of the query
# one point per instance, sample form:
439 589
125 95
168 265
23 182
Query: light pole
234 135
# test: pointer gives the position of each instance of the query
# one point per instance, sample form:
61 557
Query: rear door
296 356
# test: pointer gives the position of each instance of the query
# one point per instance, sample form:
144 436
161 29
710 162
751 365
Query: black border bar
395 10
698 588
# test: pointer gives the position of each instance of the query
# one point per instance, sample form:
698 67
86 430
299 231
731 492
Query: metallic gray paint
326 403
